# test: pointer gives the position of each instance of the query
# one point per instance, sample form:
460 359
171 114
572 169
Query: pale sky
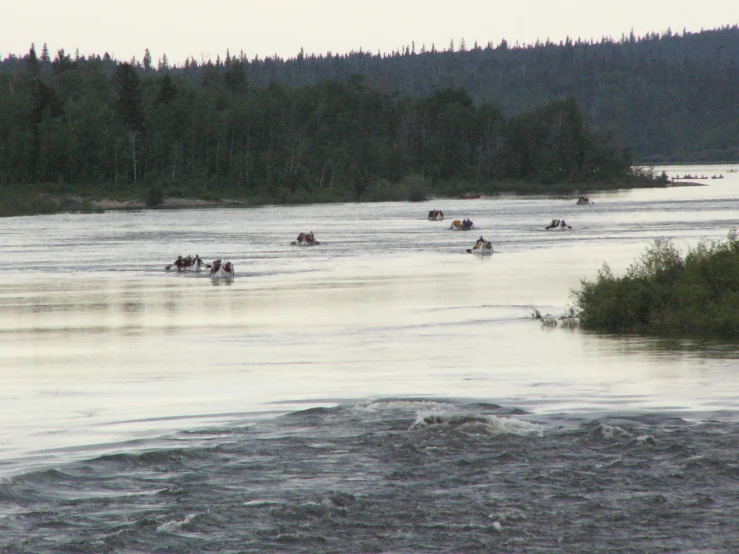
205 29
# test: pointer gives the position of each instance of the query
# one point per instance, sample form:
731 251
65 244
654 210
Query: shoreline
45 203
168 204
196 203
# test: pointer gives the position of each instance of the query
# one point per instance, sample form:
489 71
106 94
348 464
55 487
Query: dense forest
327 127
69 121
671 96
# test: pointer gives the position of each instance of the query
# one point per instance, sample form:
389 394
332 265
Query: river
382 391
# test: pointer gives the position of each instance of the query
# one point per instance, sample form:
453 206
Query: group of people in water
218 268
305 239
221 269
482 246
196 263
186 263
558 224
462 225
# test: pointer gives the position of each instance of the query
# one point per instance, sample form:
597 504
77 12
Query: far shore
49 199
196 203
169 203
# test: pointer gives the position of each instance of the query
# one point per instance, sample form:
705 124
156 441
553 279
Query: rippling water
382 391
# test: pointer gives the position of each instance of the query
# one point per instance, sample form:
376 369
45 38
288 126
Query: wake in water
396 475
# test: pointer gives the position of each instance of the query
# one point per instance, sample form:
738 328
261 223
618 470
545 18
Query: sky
203 30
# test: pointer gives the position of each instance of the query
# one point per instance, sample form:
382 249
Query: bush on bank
666 294
31 204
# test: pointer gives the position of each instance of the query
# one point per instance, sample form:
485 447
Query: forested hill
670 96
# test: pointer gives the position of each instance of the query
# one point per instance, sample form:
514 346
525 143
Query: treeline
71 121
667 294
672 96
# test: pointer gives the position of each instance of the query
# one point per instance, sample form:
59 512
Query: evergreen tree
163 63
62 62
129 106
167 91
32 63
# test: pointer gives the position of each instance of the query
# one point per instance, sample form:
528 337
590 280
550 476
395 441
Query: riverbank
39 203
167 203
48 198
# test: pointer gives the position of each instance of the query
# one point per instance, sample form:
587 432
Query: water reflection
671 347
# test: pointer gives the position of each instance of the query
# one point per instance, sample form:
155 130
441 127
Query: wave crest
477 424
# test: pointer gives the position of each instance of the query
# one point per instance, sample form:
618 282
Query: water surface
105 359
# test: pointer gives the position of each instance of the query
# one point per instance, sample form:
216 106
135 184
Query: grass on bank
667 294
46 198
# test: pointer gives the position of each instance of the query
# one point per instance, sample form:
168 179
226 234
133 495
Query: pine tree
62 62
163 63
130 104
32 61
167 91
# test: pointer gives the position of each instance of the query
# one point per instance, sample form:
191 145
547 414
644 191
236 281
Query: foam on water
175 526
399 405
475 423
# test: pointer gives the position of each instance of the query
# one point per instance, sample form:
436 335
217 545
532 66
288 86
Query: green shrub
155 197
417 194
12 205
666 294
